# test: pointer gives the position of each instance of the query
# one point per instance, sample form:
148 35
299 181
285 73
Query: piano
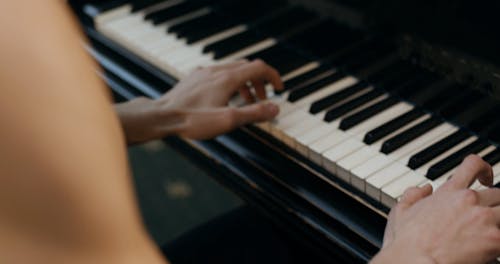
379 96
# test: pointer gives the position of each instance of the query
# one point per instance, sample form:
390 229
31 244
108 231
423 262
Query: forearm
144 119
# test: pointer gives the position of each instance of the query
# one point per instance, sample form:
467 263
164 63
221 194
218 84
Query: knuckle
397 209
483 215
259 63
494 235
226 78
231 118
475 161
410 192
468 197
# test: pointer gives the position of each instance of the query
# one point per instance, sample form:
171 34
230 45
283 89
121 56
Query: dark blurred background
174 195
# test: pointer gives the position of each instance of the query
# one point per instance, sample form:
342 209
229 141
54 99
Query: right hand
453 225
197 107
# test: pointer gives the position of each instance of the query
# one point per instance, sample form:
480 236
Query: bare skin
453 225
197 107
65 190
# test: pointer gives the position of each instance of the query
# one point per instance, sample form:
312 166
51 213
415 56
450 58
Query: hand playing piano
197 107
453 225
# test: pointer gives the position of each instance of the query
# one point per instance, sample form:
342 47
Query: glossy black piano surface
440 80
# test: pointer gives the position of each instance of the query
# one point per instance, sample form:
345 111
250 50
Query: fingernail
272 109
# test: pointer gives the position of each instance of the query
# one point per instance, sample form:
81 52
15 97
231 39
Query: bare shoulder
62 152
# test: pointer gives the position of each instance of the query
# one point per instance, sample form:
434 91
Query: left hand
197 107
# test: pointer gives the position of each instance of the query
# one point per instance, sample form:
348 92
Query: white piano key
383 177
304 104
345 165
321 132
267 43
121 22
302 70
368 152
364 127
318 148
395 189
380 180
441 180
424 168
356 132
362 172
114 14
332 156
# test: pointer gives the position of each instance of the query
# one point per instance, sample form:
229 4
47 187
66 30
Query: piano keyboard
350 104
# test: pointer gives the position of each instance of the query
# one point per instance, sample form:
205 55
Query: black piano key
290 62
285 22
310 79
249 12
326 38
169 13
283 59
337 97
141 4
226 15
410 134
391 126
440 147
197 23
363 115
233 44
302 92
257 31
371 57
440 168
206 31
390 72
317 73
346 107
493 157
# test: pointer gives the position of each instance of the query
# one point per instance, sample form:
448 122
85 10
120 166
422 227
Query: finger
489 197
254 113
496 213
247 95
258 70
472 168
260 90
415 194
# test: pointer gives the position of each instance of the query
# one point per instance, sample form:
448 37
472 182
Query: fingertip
427 189
272 110
473 167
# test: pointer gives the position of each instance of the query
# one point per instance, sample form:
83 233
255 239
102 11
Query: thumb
259 112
